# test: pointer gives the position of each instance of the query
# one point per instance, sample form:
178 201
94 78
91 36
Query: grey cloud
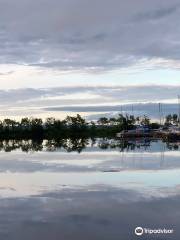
15 95
6 73
111 94
139 109
157 13
87 35
100 100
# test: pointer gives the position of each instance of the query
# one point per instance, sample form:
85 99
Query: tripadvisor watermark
139 231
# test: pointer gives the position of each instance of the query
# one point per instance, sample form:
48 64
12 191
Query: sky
60 57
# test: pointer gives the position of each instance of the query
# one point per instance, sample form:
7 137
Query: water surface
88 189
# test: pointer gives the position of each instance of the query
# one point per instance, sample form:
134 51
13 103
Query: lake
96 189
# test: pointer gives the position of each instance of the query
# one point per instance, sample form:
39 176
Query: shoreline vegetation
76 127
69 127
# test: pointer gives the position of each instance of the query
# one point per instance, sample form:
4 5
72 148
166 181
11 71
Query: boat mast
179 111
160 116
121 110
132 110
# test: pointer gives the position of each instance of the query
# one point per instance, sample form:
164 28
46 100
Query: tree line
71 126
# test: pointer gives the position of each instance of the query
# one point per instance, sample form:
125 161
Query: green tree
103 121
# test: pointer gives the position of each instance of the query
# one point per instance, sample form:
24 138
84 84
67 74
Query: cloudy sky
89 56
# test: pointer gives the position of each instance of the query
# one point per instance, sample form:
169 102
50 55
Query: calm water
88 189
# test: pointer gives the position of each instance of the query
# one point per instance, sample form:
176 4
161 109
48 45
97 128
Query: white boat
140 130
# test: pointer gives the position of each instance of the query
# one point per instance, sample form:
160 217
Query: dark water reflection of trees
80 144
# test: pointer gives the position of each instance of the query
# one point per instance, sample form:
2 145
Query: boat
138 131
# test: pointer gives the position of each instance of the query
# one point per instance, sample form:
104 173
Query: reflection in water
79 144
50 191
99 215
